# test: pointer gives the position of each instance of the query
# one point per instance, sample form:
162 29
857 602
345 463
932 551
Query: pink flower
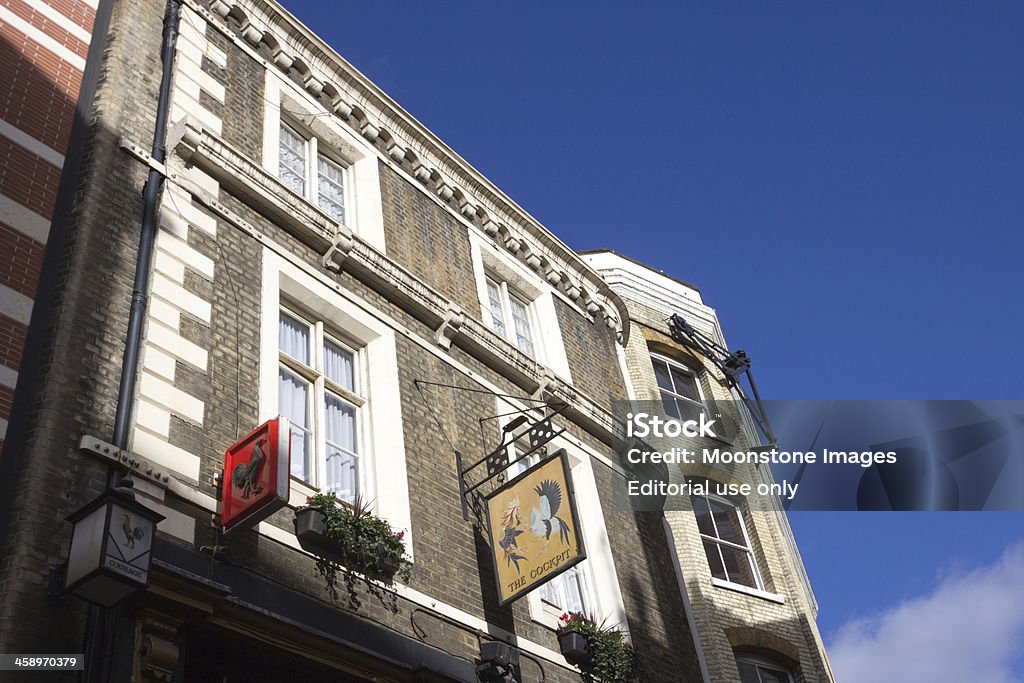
400 535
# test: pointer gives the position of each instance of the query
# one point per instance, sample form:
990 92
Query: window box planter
575 648
349 538
601 653
311 530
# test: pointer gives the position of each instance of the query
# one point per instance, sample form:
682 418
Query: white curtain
293 338
331 189
520 317
292 160
497 316
338 366
293 403
342 474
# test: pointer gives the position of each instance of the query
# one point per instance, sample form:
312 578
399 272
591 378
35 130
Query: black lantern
111 548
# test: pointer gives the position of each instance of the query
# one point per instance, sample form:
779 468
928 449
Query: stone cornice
342 250
357 102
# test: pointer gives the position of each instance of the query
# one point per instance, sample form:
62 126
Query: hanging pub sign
255 481
534 528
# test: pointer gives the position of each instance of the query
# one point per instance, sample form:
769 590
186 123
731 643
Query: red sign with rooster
255 481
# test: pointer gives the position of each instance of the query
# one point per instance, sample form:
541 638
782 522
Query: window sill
546 616
299 491
747 590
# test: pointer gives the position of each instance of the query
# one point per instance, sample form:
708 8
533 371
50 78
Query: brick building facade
763 614
322 255
43 49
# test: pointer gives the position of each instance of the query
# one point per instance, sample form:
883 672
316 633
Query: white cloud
970 629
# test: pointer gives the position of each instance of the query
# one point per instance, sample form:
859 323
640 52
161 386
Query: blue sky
844 182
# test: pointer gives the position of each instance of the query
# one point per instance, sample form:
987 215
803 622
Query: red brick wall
39 84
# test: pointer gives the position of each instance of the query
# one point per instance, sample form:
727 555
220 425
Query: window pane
573 591
737 565
341 423
521 319
772 675
342 474
685 384
748 673
549 593
331 188
293 393
668 402
292 160
339 365
728 522
715 560
703 514
518 466
293 403
497 314
293 338
661 374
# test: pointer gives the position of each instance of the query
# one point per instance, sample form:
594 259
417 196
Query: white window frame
506 295
762 663
383 477
287 102
700 403
531 289
313 150
314 374
748 548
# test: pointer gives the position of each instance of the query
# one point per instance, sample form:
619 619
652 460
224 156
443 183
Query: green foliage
365 544
612 658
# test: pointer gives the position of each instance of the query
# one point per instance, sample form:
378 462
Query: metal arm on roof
733 365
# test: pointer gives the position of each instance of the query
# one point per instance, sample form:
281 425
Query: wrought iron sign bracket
732 364
541 433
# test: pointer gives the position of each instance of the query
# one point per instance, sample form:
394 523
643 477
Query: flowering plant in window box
350 538
600 652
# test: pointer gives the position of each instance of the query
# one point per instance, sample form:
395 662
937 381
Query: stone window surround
759 589
383 458
313 150
285 102
547 337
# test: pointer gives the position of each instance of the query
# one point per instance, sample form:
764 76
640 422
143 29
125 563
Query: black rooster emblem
131 534
246 475
544 517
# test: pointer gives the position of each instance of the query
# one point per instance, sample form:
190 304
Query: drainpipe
147 238
101 644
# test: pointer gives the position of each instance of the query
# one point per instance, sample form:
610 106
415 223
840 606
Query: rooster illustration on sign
131 534
510 522
545 517
245 476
